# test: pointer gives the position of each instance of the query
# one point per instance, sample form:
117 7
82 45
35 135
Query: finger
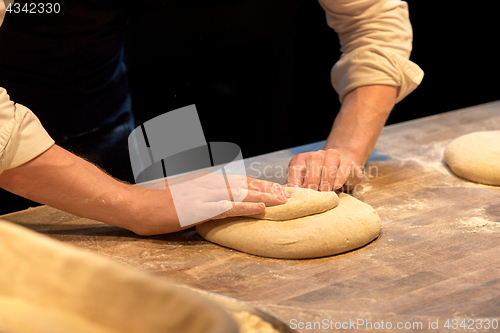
274 190
297 170
190 191
331 166
243 209
268 199
315 162
207 211
236 181
343 173
231 194
238 187
266 187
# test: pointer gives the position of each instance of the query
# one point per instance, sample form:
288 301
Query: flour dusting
479 224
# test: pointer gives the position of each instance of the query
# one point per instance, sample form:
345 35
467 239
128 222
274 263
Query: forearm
361 118
67 182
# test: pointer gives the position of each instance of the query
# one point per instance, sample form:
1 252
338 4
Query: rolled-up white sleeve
22 136
376 42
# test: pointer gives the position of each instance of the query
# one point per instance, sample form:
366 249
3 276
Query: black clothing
68 68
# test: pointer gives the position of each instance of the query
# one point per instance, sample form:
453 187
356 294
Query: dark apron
68 68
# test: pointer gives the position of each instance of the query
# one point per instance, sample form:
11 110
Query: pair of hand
218 196
203 196
354 133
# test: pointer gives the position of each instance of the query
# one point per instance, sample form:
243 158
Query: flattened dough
48 286
303 202
350 225
476 157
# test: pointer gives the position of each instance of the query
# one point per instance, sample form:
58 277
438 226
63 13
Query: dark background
259 71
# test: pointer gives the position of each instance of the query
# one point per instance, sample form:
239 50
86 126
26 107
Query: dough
18 316
48 286
350 225
303 202
250 323
476 157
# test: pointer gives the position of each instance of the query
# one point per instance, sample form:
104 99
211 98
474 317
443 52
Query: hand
67 182
182 202
355 131
324 170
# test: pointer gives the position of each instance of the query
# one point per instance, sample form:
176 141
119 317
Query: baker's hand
207 196
65 181
201 196
324 170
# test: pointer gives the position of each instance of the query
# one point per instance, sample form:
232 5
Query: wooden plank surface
438 256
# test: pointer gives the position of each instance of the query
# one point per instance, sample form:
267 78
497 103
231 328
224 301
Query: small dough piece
350 225
476 157
303 202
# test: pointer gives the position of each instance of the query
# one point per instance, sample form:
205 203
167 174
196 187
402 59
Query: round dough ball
476 157
303 202
350 225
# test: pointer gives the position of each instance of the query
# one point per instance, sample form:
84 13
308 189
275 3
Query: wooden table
437 259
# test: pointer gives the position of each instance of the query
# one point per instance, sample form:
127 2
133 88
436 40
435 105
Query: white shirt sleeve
376 42
22 136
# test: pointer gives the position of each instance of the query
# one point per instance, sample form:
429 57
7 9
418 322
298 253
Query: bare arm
67 182
360 121
372 75
351 141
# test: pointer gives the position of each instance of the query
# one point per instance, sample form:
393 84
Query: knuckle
240 183
225 205
297 167
317 154
332 151
296 159
239 194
